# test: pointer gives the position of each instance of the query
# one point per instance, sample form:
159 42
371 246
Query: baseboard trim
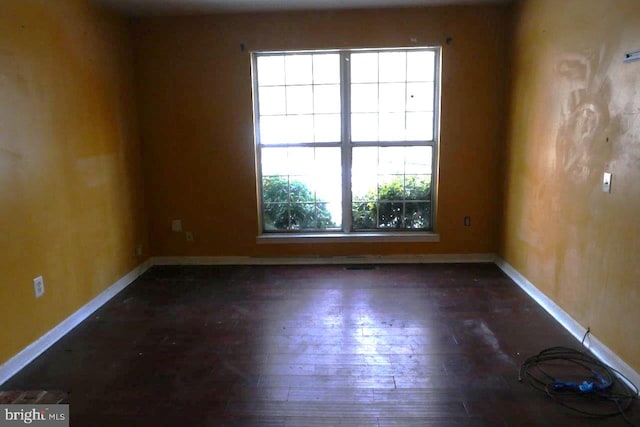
600 350
315 260
35 349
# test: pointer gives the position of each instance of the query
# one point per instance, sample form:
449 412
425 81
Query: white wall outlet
606 182
38 286
188 236
139 250
176 225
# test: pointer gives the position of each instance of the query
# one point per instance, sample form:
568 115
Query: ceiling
181 7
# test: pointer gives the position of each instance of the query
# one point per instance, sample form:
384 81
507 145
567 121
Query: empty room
320 212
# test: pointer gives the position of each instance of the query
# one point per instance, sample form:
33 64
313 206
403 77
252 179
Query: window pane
364 173
328 189
392 126
364 67
327 171
364 127
417 215
329 216
365 215
274 161
275 189
390 188
420 66
419 96
382 187
272 100
391 160
273 129
401 103
327 128
270 70
298 69
327 161
299 129
392 98
302 216
393 66
303 190
299 161
390 214
326 99
364 179
418 160
326 68
419 126
416 187
364 98
276 215
299 100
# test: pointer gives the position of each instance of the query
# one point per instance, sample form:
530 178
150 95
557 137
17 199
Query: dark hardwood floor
395 345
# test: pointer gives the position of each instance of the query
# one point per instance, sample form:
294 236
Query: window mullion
437 81
345 96
256 108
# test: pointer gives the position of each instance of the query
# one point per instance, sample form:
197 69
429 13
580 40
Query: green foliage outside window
290 205
384 209
403 202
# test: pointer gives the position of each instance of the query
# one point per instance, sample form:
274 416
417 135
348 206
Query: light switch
632 56
606 182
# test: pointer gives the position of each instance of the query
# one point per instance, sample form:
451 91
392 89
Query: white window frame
346 145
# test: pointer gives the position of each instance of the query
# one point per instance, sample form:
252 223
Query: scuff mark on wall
585 112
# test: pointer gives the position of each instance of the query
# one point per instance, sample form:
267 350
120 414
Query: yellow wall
575 113
70 182
195 102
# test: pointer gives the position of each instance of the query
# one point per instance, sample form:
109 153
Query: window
346 140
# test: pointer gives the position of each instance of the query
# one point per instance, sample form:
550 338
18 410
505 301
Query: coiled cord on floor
580 382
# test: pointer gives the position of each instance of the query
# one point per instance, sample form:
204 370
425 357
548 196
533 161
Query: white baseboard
359 259
35 349
601 351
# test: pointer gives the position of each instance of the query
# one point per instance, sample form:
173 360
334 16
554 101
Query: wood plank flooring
394 345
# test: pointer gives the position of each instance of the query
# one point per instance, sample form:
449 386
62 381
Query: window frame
346 146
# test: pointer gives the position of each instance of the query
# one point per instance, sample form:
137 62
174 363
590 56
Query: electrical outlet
176 225
38 286
606 182
467 221
139 250
188 236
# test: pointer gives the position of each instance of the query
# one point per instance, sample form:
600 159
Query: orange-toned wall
194 95
575 113
71 205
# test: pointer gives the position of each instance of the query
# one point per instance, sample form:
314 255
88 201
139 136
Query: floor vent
361 267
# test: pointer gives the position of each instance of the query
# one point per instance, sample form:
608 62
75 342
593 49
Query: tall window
346 140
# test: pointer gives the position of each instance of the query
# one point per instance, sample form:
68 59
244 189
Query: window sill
285 238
